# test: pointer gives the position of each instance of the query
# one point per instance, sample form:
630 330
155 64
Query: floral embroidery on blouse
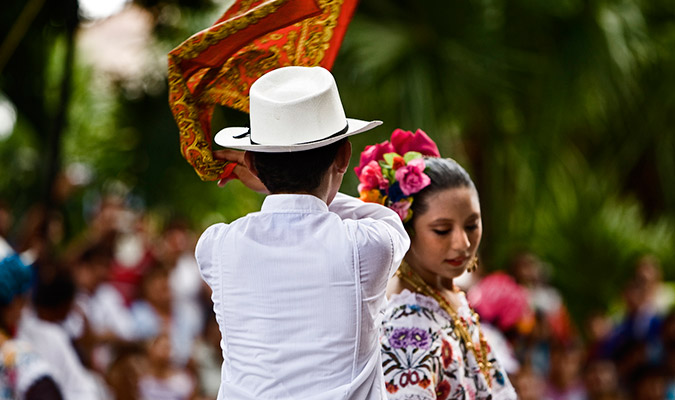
422 357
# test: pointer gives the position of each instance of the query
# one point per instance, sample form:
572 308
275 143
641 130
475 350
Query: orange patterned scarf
219 64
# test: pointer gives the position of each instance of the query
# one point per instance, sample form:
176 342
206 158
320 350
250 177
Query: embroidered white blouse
298 293
423 359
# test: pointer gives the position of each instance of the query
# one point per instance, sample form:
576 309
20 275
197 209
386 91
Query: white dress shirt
298 292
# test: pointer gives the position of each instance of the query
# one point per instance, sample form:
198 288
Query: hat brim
233 138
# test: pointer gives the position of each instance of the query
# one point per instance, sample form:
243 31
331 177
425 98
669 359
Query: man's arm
376 221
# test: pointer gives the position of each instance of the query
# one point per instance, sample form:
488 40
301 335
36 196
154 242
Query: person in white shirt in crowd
41 327
24 375
99 317
298 288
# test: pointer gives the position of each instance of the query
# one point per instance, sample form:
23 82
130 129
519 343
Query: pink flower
373 153
405 141
498 299
371 177
402 208
412 178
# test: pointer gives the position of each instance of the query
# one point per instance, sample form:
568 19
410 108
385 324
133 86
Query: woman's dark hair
295 172
445 173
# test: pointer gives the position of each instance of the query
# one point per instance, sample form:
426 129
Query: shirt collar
293 203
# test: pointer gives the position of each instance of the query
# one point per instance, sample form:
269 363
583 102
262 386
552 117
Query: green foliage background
561 111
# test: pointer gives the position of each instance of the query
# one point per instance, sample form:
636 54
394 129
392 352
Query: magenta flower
371 177
373 153
412 177
402 208
498 299
405 141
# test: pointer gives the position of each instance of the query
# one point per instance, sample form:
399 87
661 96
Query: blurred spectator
505 315
660 296
41 234
528 384
598 329
208 359
176 250
601 380
100 316
552 321
668 353
41 328
126 230
162 380
635 340
132 252
157 313
24 375
125 371
648 383
564 379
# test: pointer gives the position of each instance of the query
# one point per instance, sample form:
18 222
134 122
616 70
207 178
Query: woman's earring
474 265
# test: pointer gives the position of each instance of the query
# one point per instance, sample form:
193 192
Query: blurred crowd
121 312
627 352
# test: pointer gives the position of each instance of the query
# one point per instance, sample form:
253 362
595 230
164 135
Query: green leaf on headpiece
389 158
389 174
411 155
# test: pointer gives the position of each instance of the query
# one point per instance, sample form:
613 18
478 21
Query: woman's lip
457 261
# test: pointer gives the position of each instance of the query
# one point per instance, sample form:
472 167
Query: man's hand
240 171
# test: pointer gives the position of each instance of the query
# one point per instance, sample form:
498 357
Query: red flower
424 383
442 390
371 177
373 153
391 388
446 353
405 141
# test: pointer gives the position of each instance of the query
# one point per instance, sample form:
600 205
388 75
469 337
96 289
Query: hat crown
294 105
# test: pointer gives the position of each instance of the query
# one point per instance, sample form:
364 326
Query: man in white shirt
299 286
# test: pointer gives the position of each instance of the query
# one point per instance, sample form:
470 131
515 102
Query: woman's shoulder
407 305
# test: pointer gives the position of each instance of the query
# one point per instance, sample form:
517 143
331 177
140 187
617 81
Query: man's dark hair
295 172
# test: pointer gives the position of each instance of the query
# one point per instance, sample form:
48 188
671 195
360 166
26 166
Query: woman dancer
432 344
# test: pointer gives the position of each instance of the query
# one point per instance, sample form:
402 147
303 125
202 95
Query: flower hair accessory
390 173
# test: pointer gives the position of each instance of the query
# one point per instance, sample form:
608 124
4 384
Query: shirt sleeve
375 222
204 253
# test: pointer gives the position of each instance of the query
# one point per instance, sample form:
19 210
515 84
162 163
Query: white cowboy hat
293 109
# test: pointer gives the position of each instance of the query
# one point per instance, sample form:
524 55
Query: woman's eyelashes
444 231
471 228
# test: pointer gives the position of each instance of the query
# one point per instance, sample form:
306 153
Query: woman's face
447 235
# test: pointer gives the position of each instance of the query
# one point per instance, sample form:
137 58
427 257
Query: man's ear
343 156
249 159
